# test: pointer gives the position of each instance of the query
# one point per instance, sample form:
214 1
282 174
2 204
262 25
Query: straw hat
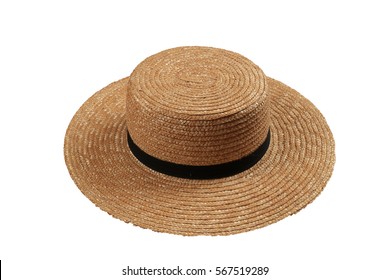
198 141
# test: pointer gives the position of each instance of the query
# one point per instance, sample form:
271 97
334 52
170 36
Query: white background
55 54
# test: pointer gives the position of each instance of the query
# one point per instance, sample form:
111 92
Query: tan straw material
199 106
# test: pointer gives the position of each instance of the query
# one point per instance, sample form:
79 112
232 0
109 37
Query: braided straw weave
199 106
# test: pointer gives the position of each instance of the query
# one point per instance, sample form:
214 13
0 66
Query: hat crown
197 106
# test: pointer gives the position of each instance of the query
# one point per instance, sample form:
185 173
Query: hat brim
292 173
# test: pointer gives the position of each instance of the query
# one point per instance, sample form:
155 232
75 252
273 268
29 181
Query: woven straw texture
199 106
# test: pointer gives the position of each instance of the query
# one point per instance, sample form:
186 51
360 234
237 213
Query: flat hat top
197 83
294 170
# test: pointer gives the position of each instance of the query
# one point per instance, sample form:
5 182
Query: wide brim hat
199 141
